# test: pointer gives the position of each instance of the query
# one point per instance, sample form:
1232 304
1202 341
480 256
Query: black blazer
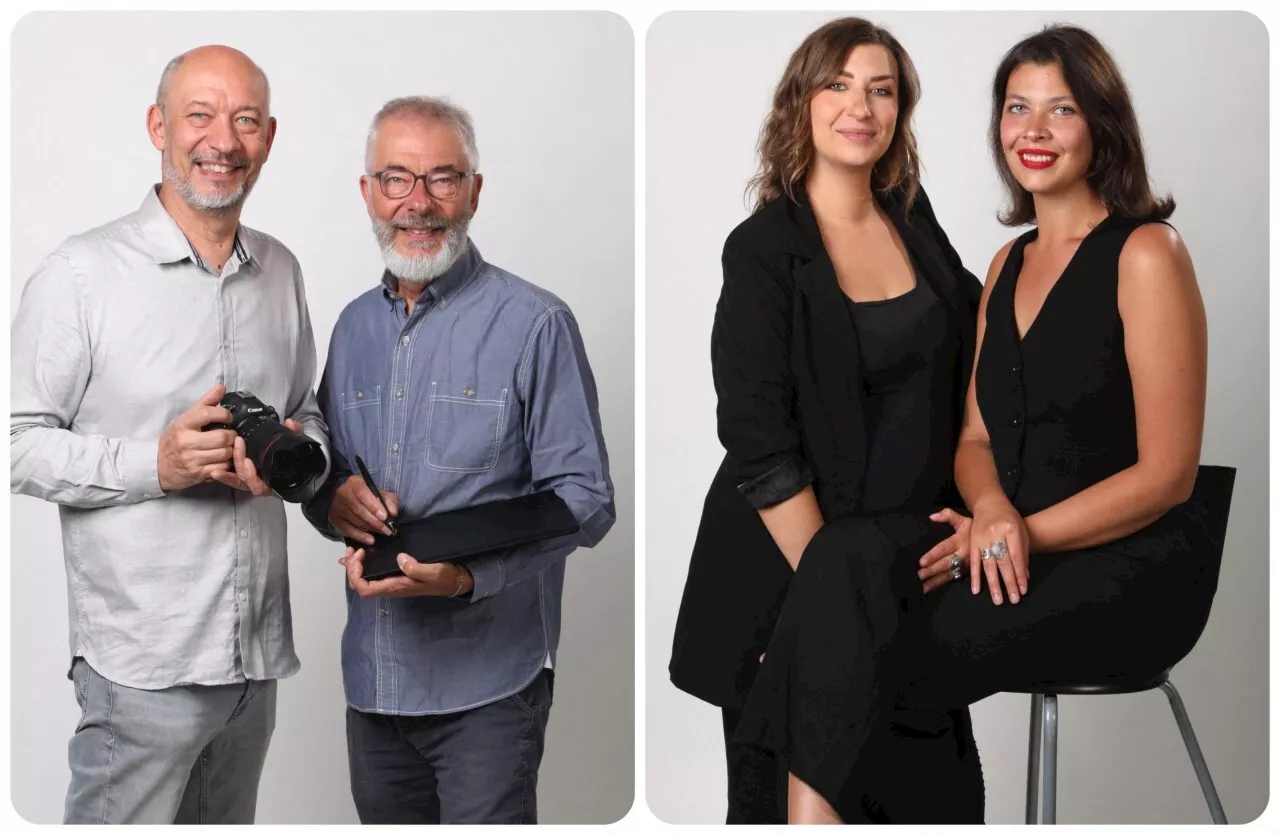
790 410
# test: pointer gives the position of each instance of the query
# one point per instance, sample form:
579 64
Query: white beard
420 270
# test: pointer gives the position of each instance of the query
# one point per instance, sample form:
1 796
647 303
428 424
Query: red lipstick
1036 159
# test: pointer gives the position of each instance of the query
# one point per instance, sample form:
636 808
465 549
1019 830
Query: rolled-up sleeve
755 409
50 361
566 450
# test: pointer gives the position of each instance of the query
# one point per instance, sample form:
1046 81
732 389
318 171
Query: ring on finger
986 553
999 550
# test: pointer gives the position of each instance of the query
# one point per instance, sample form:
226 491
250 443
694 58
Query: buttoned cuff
488 577
779 484
141 462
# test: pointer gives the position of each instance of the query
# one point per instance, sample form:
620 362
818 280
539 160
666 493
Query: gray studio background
552 96
1199 83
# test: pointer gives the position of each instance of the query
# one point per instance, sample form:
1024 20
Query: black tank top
908 349
1058 404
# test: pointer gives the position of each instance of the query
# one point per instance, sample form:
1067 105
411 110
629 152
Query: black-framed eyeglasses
398 183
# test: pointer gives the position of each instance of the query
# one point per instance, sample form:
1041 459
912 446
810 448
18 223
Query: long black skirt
857 638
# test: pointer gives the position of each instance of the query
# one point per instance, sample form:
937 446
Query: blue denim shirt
483 393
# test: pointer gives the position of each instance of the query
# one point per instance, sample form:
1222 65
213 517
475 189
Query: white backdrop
552 96
1199 81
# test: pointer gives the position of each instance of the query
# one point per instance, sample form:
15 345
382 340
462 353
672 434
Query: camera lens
290 462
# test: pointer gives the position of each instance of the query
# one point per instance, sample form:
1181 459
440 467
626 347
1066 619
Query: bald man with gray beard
125 341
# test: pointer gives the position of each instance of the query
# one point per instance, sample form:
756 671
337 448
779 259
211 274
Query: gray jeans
190 754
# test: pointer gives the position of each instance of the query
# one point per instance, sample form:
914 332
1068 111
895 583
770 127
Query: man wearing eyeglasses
455 383
126 339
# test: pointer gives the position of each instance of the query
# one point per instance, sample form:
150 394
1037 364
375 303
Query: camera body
244 408
288 461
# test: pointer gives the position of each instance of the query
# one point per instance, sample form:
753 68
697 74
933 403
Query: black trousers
757 779
924 769
477 766
857 640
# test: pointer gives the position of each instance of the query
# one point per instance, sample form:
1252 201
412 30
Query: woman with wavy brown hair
1080 448
840 354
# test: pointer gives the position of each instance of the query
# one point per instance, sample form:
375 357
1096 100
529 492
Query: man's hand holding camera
189 456
192 451
245 475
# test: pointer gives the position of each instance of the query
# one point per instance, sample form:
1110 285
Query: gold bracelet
462 578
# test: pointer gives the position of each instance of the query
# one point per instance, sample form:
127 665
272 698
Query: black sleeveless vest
1058 404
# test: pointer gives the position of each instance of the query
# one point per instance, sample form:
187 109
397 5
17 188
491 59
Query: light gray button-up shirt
120 330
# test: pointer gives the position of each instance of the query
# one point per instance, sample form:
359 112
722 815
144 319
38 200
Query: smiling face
214 132
421 236
1045 137
854 116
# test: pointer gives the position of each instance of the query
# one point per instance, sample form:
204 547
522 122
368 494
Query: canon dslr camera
288 461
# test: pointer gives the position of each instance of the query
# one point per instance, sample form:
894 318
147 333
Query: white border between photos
640 15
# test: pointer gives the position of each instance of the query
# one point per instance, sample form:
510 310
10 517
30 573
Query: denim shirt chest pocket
465 427
361 425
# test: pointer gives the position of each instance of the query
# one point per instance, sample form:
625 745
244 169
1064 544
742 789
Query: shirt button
469 392
1013 471
444 302
382 612
243 597
395 447
400 394
244 533
1016 420
1017 369
359 395
405 339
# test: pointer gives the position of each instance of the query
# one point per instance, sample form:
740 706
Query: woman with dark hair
1080 446
840 353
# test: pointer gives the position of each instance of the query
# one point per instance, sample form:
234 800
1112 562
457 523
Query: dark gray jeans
189 754
478 766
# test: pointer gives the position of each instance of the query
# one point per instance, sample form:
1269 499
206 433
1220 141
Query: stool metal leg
1033 759
1193 749
1050 814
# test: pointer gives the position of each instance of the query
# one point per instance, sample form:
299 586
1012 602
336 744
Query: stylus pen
368 479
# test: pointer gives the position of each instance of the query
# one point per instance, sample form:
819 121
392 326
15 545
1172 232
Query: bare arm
975 466
1165 342
793 522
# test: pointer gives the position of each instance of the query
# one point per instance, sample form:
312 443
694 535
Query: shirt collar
446 286
165 241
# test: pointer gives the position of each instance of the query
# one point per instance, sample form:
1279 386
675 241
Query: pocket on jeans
80 673
362 425
464 428
536 696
